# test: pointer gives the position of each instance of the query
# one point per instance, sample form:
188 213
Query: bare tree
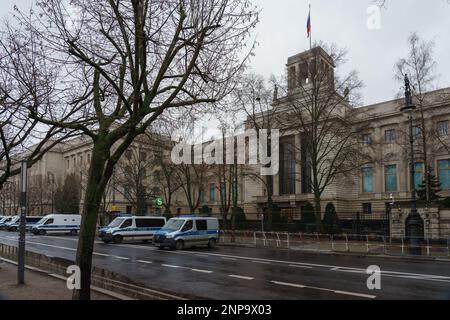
121 65
164 174
320 109
23 85
133 174
253 99
420 66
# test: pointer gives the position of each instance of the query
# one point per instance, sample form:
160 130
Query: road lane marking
288 284
361 295
201 271
231 259
260 262
299 266
172 266
348 293
202 255
240 277
102 254
144 261
121 258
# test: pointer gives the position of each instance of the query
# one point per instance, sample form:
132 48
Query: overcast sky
282 33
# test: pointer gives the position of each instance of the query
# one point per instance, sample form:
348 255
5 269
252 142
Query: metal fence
363 244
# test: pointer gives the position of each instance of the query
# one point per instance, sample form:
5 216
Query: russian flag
308 23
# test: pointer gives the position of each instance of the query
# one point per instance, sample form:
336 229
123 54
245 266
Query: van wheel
73 232
42 232
211 243
179 245
106 241
145 241
117 239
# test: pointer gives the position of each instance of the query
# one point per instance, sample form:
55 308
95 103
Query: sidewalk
37 286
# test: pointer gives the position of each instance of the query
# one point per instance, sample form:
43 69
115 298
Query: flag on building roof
308 23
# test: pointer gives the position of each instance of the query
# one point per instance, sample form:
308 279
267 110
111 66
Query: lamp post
23 208
414 220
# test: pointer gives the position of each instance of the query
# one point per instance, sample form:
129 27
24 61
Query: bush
330 220
445 203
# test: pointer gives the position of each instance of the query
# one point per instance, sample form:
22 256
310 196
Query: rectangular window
417 132
367 180
212 192
223 191
201 225
389 136
444 173
442 128
390 178
418 175
367 139
367 208
202 197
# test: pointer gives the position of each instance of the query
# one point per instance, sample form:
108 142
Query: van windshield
116 222
174 224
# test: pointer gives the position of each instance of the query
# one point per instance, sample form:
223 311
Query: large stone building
380 188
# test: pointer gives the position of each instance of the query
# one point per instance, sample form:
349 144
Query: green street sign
159 202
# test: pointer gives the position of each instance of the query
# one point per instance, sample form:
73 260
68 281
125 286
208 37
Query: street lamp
414 223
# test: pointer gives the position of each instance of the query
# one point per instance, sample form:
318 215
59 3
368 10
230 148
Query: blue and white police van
58 224
5 220
131 228
183 232
30 222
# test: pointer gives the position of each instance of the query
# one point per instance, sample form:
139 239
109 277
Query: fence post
346 243
403 246
428 247
254 237
264 239
278 240
367 242
287 236
384 244
332 242
448 251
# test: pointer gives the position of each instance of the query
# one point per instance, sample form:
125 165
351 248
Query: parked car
132 228
58 224
179 233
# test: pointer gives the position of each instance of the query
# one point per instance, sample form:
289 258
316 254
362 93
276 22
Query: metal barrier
364 244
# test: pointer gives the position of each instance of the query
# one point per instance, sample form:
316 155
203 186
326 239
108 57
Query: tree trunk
269 202
91 206
317 212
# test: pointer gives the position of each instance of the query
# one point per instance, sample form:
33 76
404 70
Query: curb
121 286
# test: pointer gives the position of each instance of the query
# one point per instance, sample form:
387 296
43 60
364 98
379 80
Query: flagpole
310 32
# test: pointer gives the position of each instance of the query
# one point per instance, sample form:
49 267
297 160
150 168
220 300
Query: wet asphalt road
247 273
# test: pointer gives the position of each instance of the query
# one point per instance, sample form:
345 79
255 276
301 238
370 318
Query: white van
131 228
182 232
5 220
58 223
10 222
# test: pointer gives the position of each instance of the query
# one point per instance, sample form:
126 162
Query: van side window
127 223
149 223
187 226
201 225
49 221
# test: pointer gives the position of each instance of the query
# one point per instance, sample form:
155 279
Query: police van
131 228
58 224
10 222
30 221
5 220
182 232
